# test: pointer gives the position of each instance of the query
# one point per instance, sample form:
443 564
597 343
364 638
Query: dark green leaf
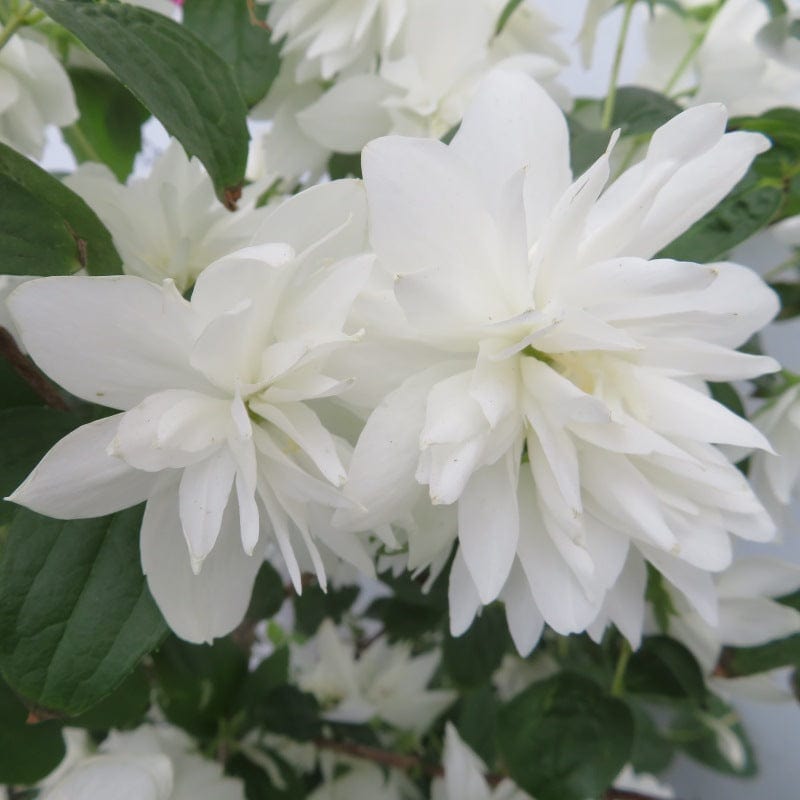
586 145
789 294
696 733
109 127
14 391
314 605
292 713
27 433
270 674
638 110
762 658
34 204
183 83
198 684
257 783
75 612
268 594
476 720
471 659
726 394
225 26
564 738
123 709
749 207
652 750
663 668
659 598
344 165
27 752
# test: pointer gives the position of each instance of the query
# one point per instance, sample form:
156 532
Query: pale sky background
774 729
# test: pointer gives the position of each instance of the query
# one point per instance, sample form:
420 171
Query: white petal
349 114
204 493
462 597
197 607
488 525
77 478
463 770
524 620
744 622
512 124
754 576
133 336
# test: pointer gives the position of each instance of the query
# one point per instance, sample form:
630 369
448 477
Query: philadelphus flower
34 92
169 224
776 477
384 682
150 763
365 781
214 430
746 60
565 411
428 69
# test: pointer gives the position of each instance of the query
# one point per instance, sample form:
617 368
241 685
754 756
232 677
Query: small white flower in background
776 477
34 92
215 431
642 782
746 60
561 339
168 224
385 681
464 775
7 285
427 72
748 616
365 781
154 762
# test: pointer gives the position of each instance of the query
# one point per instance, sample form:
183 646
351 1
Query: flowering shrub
390 433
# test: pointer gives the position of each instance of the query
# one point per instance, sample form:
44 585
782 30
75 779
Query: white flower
776 477
748 615
7 285
215 431
559 336
169 224
329 36
642 782
365 781
743 61
464 775
385 682
150 763
34 92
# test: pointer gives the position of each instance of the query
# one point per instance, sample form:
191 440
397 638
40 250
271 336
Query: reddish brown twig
28 371
254 19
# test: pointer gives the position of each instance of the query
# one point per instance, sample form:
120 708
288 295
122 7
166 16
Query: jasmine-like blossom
168 224
215 430
746 59
385 682
356 780
153 762
776 476
35 92
561 404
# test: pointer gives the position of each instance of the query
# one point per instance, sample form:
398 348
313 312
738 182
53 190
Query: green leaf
109 129
292 713
268 594
257 782
476 720
762 658
125 708
662 668
652 750
345 165
198 684
749 207
183 83
314 605
27 752
564 738
471 659
716 738
586 145
14 391
726 394
75 612
38 212
789 294
225 26
27 433
638 111
270 674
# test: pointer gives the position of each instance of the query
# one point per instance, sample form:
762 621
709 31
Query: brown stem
26 370
410 762
251 8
